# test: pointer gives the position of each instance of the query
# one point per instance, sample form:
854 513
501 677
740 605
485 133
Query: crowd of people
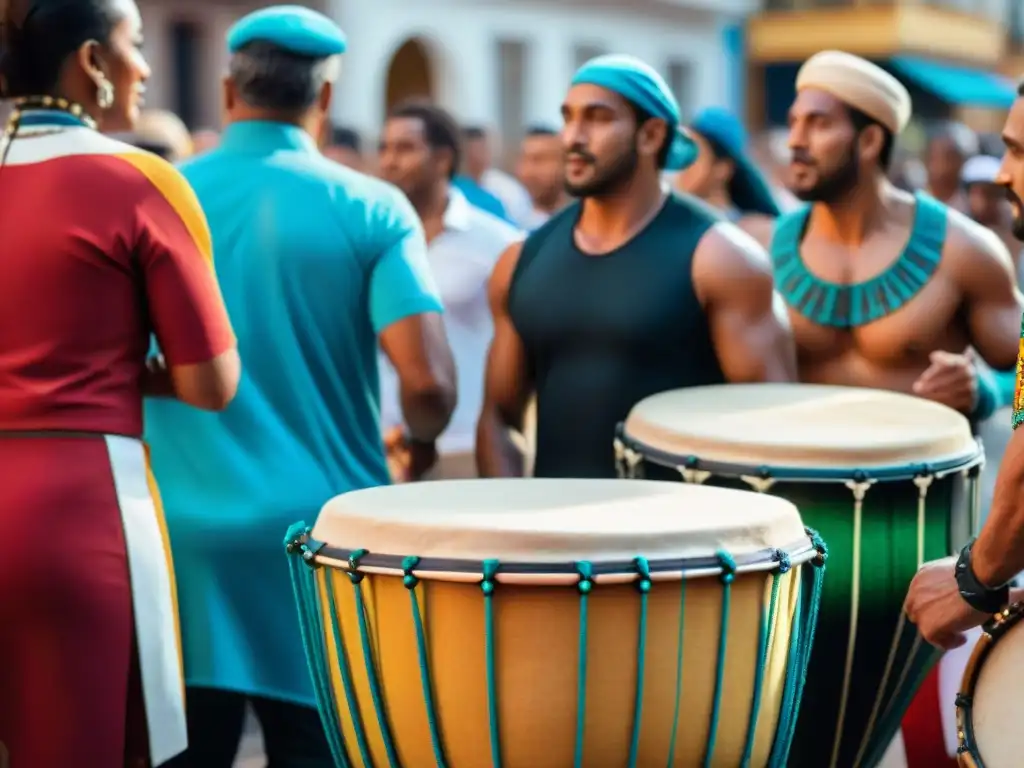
956 165
290 315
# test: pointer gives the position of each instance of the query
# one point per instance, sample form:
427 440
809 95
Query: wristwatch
981 598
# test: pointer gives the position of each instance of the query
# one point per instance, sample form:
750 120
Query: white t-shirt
462 258
511 193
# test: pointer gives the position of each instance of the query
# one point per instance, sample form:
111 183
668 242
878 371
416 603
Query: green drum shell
908 515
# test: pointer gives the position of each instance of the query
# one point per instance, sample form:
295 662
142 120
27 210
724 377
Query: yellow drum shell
537 622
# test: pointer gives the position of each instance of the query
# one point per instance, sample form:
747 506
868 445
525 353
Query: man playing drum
945 601
885 289
626 293
847 264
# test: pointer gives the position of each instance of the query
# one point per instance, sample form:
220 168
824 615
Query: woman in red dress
101 247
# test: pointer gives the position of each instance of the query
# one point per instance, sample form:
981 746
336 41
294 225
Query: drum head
548 520
998 709
800 425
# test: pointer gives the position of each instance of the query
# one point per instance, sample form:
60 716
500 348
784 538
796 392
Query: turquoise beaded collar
50 118
855 304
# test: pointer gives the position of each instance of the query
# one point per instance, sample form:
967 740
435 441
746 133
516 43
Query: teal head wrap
643 87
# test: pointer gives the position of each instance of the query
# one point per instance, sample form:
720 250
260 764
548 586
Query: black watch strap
975 594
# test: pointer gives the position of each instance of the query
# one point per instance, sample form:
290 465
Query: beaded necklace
52 112
848 306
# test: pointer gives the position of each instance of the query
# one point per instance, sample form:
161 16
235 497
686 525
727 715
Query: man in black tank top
624 294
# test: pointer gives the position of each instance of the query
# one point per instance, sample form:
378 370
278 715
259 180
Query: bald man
885 289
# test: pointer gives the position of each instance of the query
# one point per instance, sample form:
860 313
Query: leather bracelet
411 440
990 600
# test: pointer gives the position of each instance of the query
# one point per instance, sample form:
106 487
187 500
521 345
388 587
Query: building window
679 75
512 56
186 53
585 52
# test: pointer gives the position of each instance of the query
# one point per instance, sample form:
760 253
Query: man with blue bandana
724 176
626 292
318 263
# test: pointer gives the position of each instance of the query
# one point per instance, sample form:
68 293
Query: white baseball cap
980 169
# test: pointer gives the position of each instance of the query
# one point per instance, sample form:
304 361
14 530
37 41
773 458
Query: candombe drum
889 481
537 623
989 708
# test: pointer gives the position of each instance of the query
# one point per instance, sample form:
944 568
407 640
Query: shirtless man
623 294
885 289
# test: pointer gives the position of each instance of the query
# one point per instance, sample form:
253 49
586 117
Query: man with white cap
628 292
885 289
318 263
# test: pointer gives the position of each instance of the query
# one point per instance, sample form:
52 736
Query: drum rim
318 553
893 472
993 631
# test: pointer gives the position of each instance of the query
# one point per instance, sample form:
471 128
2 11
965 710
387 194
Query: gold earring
104 94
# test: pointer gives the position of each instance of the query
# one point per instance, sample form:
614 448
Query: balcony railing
964 6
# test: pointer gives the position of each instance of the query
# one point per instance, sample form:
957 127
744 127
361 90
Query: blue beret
294 28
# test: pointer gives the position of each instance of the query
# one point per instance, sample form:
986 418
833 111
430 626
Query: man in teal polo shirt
318 264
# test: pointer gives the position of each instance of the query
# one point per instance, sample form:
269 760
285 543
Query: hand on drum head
950 380
935 606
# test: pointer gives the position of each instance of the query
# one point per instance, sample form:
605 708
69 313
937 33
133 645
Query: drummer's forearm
998 555
496 454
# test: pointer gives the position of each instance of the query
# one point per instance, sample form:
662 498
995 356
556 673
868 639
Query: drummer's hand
397 455
950 380
422 458
935 606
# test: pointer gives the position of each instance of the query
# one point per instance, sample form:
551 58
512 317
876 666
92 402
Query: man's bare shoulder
970 245
509 257
758 226
728 249
501 275
729 264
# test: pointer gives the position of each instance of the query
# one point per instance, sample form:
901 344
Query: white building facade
502 64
